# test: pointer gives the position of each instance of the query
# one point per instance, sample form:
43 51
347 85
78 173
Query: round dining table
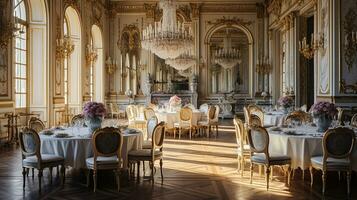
300 144
172 117
76 147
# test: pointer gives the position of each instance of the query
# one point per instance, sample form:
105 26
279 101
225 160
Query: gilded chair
246 115
297 116
204 109
149 113
33 159
133 115
258 139
184 123
256 110
152 154
153 106
340 113
255 120
78 120
107 145
243 150
206 124
150 125
215 121
115 111
337 147
354 120
36 124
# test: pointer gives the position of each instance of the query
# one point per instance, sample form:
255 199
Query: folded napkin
275 128
61 135
290 133
47 132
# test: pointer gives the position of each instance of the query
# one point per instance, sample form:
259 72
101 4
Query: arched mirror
228 61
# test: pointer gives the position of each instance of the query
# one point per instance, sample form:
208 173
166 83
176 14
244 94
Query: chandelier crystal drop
168 38
182 62
227 56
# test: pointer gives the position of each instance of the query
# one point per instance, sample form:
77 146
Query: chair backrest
158 136
78 120
153 106
354 120
216 114
150 126
149 113
211 114
185 114
246 115
258 140
240 132
338 143
256 110
107 142
204 108
36 124
298 116
340 115
30 143
131 112
255 120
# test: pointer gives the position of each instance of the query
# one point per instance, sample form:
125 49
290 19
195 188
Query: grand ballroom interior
178 99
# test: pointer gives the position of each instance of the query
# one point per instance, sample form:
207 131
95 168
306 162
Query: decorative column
150 19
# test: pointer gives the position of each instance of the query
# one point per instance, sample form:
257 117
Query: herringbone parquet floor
193 169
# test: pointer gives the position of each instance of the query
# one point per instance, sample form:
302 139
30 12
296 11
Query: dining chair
246 115
107 145
206 124
32 158
133 114
354 120
337 146
149 113
258 139
78 120
114 110
215 121
36 124
150 125
204 109
152 154
243 149
190 105
184 123
340 115
256 110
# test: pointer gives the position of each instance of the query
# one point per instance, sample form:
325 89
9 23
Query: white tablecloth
274 118
301 147
77 148
172 117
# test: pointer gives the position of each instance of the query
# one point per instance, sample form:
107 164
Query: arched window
65 64
20 52
91 77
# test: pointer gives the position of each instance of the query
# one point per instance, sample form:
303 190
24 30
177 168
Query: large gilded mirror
228 61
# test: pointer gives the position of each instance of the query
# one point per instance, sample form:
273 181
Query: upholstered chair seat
150 154
147 144
107 144
337 146
273 159
33 159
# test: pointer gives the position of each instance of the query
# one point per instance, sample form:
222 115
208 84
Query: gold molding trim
7 104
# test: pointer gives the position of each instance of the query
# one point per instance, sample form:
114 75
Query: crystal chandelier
227 57
183 62
168 38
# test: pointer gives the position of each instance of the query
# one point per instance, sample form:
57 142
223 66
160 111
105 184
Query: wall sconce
64 47
91 54
308 50
263 66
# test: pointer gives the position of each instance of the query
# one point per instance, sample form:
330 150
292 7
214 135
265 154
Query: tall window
20 52
65 64
91 77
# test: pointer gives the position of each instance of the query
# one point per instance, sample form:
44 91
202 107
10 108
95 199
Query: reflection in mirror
229 61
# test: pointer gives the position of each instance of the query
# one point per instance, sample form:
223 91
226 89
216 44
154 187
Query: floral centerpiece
323 112
175 102
94 113
286 102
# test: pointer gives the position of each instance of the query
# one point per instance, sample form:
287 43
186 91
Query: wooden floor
193 169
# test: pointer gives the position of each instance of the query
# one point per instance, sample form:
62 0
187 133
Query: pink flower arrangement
93 109
175 101
323 108
286 101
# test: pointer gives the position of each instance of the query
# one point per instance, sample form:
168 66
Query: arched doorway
97 71
73 66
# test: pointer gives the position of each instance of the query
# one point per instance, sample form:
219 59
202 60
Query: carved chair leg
40 173
152 171
51 174
348 178
311 176
162 175
251 172
324 177
267 174
95 180
117 173
138 171
24 177
87 175
27 171
143 168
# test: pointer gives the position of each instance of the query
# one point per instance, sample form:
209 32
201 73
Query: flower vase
323 123
94 123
